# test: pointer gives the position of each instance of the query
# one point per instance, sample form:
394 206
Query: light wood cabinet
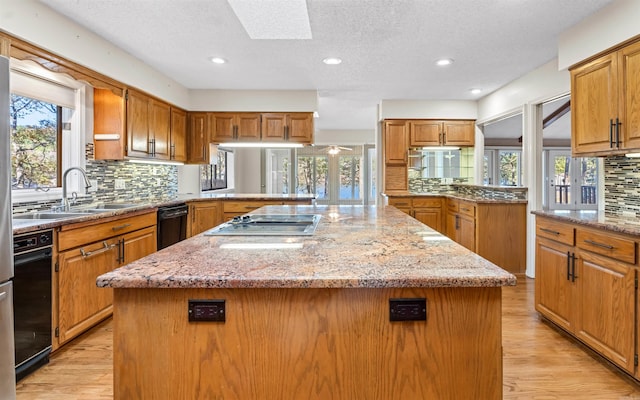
605 111
289 127
85 251
203 215
198 138
427 210
229 127
396 142
137 126
461 222
234 208
586 284
442 133
178 148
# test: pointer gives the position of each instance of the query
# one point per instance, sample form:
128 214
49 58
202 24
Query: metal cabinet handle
150 147
611 133
107 247
549 231
117 228
618 124
573 267
401 204
604 246
172 155
568 265
465 209
457 222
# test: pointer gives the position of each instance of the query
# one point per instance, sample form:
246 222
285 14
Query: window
345 178
502 167
47 112
571 182
36 134
215 176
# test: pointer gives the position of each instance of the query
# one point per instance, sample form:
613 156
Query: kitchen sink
268 225
50 215
114 206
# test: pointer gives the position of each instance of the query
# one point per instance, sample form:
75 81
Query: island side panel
308 344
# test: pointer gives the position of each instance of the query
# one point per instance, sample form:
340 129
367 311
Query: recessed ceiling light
332 61
444 61
476 91
218 60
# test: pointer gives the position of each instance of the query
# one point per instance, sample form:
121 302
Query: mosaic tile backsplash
142 182
622 186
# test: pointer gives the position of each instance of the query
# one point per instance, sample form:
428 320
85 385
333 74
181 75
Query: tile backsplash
622 185
141 182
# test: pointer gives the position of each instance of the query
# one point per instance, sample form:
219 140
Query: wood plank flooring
539 362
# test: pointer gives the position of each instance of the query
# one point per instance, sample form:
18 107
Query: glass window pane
509 167
312 176
34 143
278 166
588 179
372 175
561 178
350 178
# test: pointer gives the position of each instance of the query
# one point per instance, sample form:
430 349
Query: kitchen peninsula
308 317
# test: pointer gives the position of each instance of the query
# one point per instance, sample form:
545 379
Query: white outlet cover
119 184
94 185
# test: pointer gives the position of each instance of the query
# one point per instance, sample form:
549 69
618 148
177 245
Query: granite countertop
629 225
24 226
353 246
476 199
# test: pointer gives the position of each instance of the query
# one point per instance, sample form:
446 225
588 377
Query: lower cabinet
586 285
427 210
203 215
461 222
234 208
86 251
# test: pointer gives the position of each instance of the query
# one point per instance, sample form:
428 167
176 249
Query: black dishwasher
172 224
32 300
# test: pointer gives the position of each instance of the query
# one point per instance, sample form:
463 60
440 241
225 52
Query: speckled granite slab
353 246
629 225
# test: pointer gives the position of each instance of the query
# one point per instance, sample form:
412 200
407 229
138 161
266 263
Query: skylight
273 19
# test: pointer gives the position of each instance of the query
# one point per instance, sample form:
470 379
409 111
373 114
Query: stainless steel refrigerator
7 355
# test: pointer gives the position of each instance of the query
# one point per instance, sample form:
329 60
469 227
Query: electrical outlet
120 184
94 185
158 181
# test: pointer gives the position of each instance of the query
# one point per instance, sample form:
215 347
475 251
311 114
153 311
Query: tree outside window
35 135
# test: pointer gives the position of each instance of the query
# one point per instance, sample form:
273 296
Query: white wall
610 26
34 22
347 136
247 170
428 109
253 100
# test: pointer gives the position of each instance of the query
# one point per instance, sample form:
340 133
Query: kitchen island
308 317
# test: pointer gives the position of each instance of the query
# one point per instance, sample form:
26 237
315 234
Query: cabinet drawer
427 202
453 205
246 206
467 208
400 202
74 237
553 230
604 244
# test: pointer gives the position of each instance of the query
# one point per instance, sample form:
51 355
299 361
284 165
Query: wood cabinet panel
289 127
178 148
139 244
501 230
606 291
630 101
431 218
606 244
222 127
395 177
203 215
160 129
425 133
248 127
458 133
396 142
137 124
557 231
109 112
198 138
554 291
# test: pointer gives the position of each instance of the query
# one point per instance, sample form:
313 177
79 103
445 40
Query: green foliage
33 146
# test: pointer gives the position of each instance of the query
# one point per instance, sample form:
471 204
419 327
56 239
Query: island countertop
353 247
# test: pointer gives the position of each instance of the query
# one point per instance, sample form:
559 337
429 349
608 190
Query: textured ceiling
388 47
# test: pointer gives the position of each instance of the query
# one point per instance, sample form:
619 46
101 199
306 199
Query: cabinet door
138 244
109 118
222 127
198 138
594 106
160 129
451 226
300 128
396 142
137 124
430 217
459 133
203 216
554 291
178 148
467 232
81 304
425 133
248 127
273 127
606 293
630 101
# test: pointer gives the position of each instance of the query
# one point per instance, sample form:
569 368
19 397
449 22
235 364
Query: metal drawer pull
605 246
549 231
465 209
106 248
249 208
400 204
117 228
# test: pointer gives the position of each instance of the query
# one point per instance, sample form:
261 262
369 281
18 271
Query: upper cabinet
396 142
198 138
229 127
605 115
138 126
442 133
290 127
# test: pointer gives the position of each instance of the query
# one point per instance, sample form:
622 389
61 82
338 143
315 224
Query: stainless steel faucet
65 201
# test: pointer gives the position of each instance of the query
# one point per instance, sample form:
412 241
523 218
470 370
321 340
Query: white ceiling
388 47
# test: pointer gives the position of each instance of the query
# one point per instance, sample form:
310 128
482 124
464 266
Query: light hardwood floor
539 362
